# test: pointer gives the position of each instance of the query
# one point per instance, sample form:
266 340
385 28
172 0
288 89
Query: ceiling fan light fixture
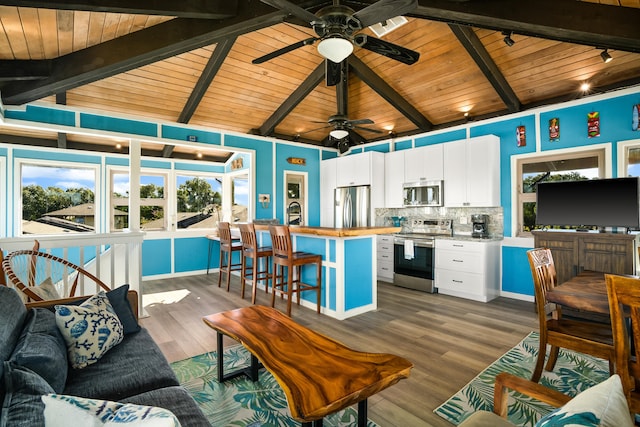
335 49
339 133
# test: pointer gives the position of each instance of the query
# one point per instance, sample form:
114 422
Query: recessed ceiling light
199 155
585 87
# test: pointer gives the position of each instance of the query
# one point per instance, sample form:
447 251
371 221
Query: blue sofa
34 362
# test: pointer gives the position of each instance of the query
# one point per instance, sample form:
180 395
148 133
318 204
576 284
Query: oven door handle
416 243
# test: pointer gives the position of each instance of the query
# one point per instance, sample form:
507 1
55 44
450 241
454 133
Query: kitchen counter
337 232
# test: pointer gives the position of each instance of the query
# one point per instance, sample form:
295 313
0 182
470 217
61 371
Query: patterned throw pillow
89 329
59 409
602 405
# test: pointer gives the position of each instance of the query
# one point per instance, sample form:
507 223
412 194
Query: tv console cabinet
574 252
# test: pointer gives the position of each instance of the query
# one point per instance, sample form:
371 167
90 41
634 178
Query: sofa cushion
22 405
134 366
177 400
120 303
42 349
602 405
59 409
12 315
90 329
46 290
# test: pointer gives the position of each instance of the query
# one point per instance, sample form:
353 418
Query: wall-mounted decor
237 164
554 129
593 124
521 136
296 161
635 117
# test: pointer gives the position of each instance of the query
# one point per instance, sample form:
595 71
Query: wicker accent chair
28 270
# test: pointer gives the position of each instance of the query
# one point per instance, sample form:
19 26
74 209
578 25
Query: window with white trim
57 198
199 200
153 201
588 164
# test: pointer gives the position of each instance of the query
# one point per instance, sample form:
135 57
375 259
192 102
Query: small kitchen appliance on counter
480 226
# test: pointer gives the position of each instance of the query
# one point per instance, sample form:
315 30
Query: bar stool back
250 250
227 247
290 281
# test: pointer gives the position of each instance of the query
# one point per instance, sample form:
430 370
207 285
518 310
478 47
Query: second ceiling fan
337 28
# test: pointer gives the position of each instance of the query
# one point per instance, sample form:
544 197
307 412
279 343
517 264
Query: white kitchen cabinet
355 169
394 163
328 177
424 164
472 172
385 257
468 269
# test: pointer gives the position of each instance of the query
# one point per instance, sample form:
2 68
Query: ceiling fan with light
337 28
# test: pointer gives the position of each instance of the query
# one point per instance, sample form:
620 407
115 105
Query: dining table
587 292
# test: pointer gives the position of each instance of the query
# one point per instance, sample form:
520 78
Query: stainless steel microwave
423 193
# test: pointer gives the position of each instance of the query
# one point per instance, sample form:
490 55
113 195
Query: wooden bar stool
227 247
284 257
251 250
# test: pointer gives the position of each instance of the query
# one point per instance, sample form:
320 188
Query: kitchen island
349 270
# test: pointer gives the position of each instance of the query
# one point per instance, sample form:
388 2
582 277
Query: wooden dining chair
227 247
624 307
289 281
587 337
258 255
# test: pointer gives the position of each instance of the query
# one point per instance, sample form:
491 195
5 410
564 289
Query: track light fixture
507 38
605 56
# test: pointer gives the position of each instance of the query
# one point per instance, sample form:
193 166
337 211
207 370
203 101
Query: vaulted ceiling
191 62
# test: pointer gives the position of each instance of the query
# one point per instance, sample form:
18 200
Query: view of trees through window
199 201
57 199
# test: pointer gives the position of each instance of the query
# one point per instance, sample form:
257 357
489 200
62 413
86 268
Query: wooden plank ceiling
191 63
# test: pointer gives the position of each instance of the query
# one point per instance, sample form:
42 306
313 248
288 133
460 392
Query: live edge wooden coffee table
319 375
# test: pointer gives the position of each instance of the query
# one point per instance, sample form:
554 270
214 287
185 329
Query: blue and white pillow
603 405
89 329
59 409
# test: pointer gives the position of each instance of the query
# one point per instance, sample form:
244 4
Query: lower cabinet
385 257
468 269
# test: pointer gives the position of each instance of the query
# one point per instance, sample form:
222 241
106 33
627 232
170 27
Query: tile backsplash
461 217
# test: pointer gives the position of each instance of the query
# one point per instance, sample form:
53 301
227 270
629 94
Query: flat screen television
597 202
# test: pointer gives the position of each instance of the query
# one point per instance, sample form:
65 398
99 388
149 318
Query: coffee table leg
362 413
220 353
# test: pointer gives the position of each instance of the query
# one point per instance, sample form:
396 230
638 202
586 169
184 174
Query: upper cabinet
359 169
472 172
424 164
328 174
394 168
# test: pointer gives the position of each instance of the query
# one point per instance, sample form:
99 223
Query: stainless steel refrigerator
353 207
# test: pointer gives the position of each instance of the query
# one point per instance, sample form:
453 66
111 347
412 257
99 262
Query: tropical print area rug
241 402
573 373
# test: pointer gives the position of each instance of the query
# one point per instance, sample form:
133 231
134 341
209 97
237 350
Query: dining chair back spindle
624 308
586 337
289 281
227 247
259 256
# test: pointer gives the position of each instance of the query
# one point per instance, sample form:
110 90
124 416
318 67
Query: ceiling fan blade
368 129
362 122
283 50
388 49
292 9
380 11
313 130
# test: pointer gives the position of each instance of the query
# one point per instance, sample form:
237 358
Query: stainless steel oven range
414 254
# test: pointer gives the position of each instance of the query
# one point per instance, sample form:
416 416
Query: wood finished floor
449 340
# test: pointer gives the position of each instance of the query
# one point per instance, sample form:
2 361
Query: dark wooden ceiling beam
476 49
571 21
290 103
202 9
383 89
138 49
210 70
18 70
